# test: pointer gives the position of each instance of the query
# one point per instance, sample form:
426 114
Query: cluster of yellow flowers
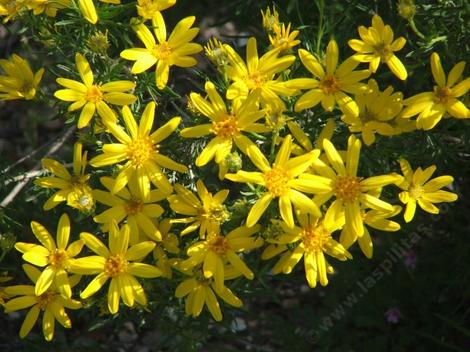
324 203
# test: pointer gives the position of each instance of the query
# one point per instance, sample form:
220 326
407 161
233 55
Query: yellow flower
377 110
131 205
312 239
352 193
201 291
332 84
226 126
90 96
19 82
282 38
257 75
270 19
377 45
305 145
169 244
418 188
206 212
217 249
10 8
376 219
73 189
174 51
51 302
99 42
140 150
147 8
50 7
282 180
118 263
88 9
432 106
54 256
216 53
406 9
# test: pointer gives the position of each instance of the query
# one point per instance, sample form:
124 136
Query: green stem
321 6
415 29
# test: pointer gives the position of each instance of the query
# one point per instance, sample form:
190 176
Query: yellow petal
437 70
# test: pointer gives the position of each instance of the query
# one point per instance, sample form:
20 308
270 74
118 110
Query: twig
20 185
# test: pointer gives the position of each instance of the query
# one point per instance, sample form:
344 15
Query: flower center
134 206
227 128
347 188
94 94
277 180
215 214
115 265
45 299
416 191
57 258
218 244
81 197
140 150
384 51
256 80
314 238
161 51
442 94
329 84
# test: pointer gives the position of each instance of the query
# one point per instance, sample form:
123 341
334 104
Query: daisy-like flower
91 97
19 82
10 8
72 188
216 53
174 51
282 180
313 240
120 263
377 110
147 8
217 249
418 188
49 7
88 9
304 143
206 212
257 75
352 193
169 244
377 45
53 256
140 150
129 204
282 38
331 85
51 302
432 106
226 126
98 42
376 219
200 291
270 19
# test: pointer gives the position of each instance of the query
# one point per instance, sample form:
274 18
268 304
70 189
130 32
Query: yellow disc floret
218 244
277 180
115 265
227 128
140 150
347 188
